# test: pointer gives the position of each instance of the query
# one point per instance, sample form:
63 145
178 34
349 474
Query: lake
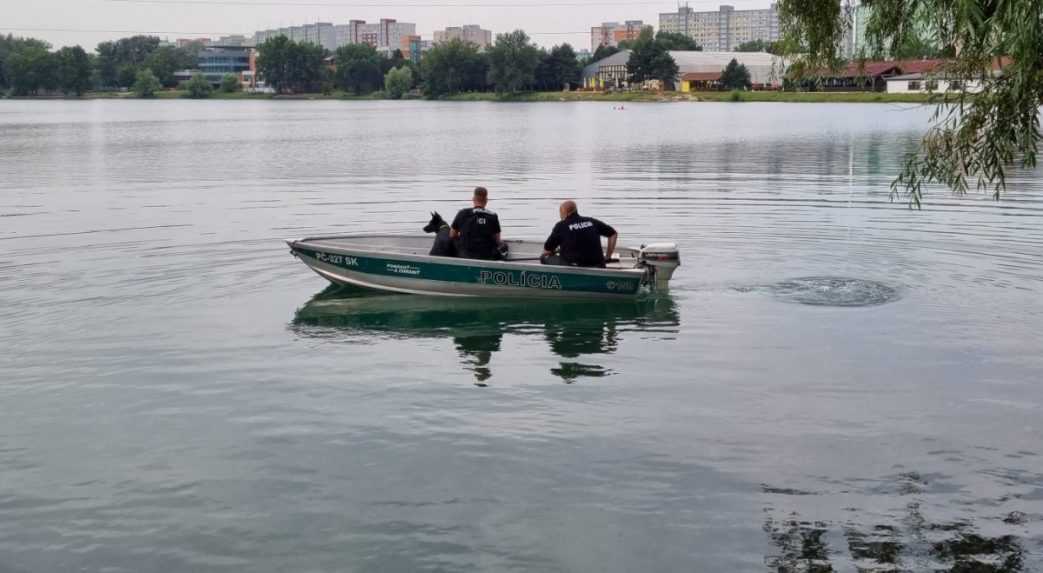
835 382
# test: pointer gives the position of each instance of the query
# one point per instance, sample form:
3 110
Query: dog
443 245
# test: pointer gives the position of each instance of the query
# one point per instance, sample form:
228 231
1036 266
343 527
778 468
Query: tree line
512 64
29 67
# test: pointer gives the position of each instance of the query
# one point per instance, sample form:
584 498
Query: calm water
836 382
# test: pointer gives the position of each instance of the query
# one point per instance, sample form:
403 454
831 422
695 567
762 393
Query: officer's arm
454 229
606 230
611 245
552 242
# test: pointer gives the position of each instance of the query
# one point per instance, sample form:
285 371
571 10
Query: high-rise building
612 33
320 33
385 34
471 33
412 47
188 42
234 40
723 30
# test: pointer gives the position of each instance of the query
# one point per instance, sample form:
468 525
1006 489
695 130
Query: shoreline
526 97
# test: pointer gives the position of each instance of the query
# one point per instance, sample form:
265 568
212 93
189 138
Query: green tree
756 46
230 84
291 67
358 69
74 70
165 61
675 41
9 46
106 65
274 62
453 67
398 81
973 139
128 74
735 76
146 84
512 62
603 52
198 87
32 69
649 60
118 62
558 68
395 60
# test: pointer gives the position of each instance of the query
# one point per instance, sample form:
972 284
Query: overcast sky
87 22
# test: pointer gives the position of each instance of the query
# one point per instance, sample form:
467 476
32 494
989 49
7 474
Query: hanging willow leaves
974 138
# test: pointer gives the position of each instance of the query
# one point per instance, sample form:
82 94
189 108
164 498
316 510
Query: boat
401 263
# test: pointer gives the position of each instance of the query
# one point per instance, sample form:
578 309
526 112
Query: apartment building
724 29
471 33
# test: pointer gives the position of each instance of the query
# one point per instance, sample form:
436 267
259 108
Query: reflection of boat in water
572 329
398 263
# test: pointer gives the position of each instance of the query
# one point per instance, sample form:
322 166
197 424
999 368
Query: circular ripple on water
834 291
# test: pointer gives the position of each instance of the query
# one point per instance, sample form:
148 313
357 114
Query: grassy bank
634 96
182 94
753 96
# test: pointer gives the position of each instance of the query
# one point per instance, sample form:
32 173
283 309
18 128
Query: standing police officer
478 229
579 240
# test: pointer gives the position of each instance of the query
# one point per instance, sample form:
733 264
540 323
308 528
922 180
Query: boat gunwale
530 294
454 261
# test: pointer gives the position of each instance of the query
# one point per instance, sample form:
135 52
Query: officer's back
478 229
578 239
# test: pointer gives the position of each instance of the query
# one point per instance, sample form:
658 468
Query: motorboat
402 263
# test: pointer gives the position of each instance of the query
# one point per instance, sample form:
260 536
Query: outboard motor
660 259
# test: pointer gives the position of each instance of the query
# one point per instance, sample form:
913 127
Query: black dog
444 246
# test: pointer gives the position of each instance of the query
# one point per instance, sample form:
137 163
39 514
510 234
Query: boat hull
446 276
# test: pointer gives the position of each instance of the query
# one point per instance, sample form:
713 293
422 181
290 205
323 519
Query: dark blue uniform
580 240
478 228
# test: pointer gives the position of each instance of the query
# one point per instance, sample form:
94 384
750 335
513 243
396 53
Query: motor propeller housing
661 259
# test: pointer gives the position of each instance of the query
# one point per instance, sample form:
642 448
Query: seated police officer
579 240
477 229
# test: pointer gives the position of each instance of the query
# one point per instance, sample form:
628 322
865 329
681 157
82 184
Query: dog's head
436 223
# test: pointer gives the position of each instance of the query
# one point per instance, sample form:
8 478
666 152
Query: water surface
835 382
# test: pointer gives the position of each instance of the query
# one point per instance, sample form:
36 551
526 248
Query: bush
398 81
146 84
198 87
230 84
736 95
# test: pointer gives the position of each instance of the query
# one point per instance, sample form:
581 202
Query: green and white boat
401 263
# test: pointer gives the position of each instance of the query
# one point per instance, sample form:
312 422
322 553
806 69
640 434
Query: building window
955 85
914 86
932 85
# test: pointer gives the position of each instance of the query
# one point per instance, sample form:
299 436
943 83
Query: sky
549 22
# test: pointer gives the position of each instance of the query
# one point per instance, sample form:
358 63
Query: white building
925 83
471 33
766 70
724 29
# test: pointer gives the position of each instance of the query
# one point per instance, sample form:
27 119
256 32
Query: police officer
478 229
579 240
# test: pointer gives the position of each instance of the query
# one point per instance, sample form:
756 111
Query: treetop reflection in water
574 330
